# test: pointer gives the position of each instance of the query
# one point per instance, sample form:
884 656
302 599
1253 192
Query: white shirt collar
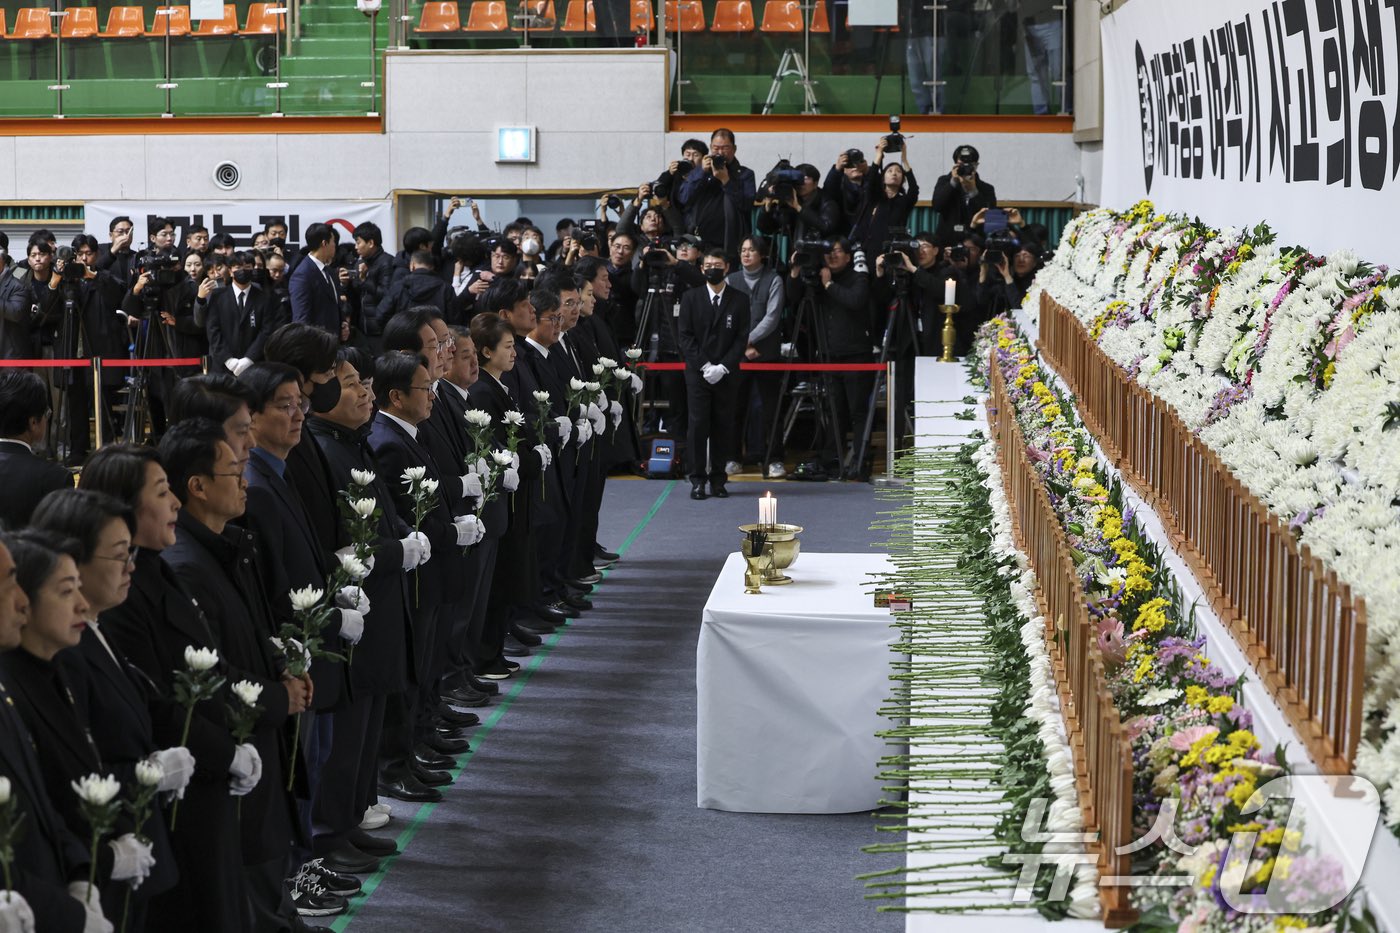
411 429
460 391
15 440
544 351
320 266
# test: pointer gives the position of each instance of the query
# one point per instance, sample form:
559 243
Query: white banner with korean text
1237 111
240 219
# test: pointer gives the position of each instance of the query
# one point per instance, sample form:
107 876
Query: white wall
602 123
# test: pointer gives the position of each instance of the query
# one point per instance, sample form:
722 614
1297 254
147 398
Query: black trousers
752 427
852 394
349 780
467 650
712 418
585 504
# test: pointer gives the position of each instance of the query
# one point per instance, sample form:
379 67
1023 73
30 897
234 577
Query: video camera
809 256
1000 248
586 236
615 203
900 244
163 264
72 271
781 182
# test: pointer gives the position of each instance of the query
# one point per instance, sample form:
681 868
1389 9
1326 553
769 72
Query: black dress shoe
575 602
482 686
496 670
697 491
465 696
514 649
511 666
431 760
432 778
602 553
449 716
528 637
564 609
411 789
587 580
378 846
719 491
446 746
349 860
543 620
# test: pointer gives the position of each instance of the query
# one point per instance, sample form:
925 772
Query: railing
1103 758
1303 629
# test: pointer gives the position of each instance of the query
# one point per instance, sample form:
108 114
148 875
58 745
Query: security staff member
713 333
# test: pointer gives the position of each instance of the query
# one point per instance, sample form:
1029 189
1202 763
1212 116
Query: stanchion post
891 429
98 413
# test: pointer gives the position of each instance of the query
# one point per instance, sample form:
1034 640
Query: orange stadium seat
178 19
439 16
261 21
227 26
690 17
32 22
578 17
79 22
733 16
487 16
643 20
786 16
124 22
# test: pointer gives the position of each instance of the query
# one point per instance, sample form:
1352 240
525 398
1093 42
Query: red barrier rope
84 364
781 367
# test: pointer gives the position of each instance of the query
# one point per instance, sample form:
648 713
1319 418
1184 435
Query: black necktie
716 301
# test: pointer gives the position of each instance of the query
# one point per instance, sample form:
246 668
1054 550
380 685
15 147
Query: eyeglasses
290 408
241 477
422 388
444 344
129 559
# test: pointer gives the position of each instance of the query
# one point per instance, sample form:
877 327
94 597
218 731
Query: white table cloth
790 683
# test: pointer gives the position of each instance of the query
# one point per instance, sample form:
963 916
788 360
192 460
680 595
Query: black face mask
325 396
243 276
713 276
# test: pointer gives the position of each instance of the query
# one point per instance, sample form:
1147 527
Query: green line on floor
517 684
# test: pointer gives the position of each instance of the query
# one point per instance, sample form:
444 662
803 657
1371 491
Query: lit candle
950 292
768 510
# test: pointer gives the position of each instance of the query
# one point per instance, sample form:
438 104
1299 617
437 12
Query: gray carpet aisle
576 810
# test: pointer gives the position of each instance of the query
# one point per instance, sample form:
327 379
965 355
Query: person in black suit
240 319
373 272
713 333
47 570
24 421
117 256
294 558
575 360
405 390
152 629
422 286
218 564
50 868
109 696
314 289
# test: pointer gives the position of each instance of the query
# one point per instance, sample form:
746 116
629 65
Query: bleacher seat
487 16
690 17
31 22
228 26
79 22
579 17
733 16
439 17
178 19
543 14
261 20
643 20
786 16
124 22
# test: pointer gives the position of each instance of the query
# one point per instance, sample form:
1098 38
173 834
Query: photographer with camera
717 196
1008 266
960 194
891 192
85 325
661 279
844 185
16 311
153 306
117 256
794 203
764 286
930 269
843 317
650 215
37 301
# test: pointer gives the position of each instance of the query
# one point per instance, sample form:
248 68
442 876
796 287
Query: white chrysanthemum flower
1159 696
576 384
633 353
362 477
599 368
96 789
502 457
412 475
593 386
429 486
149 773
4 791
247 691
514 417
541 396
478 418
355 568
364 507
200 659
306 598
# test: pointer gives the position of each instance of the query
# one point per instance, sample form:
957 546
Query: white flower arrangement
306 598
475 417
96 789
364 507
516 418
1287 365
200 659
362 477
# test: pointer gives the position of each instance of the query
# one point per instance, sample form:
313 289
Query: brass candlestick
757 566
950 333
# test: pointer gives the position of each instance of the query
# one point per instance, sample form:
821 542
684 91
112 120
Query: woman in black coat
511 576
109 695
152 629
47 571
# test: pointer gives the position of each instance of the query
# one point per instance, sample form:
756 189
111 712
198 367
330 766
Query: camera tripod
900 313
71 341
138 383
824 408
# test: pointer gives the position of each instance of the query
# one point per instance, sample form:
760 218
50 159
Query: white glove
596 419
585 431
241 364
546 458
636 383
482 469
566 429
352 597
615 410
231 365
471 486
178 765
131 859
514 460
93 921
468 530
352 625
423 543
705 371
602 400
245 771
15 915
510 479
412 552
714 373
